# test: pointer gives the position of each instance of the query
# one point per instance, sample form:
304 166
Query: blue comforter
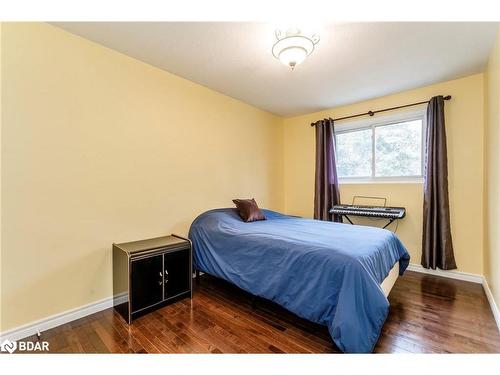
328 273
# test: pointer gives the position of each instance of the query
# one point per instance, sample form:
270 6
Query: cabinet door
177 273
147 282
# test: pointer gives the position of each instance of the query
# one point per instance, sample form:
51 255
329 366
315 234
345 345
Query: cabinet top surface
151 244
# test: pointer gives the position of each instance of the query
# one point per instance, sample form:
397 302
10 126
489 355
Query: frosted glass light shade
292 56
292 50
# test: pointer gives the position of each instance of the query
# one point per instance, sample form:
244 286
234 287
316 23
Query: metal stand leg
389 223
347 217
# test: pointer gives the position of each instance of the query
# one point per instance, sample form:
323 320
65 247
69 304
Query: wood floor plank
428 314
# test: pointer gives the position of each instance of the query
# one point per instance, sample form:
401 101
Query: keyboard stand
347 217
389 223
391 220
378 212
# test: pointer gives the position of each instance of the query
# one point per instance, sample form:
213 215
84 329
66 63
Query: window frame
373 122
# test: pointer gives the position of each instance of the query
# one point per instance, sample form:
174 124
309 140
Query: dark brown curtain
437 246
326 189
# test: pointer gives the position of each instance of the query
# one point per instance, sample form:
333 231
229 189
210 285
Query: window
386 149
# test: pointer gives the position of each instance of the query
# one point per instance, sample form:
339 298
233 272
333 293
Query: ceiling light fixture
292 47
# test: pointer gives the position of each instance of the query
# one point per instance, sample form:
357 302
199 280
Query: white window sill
416 180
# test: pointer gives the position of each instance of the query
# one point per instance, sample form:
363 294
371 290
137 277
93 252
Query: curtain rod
371 113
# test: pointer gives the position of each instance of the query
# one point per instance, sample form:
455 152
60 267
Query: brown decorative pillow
248 210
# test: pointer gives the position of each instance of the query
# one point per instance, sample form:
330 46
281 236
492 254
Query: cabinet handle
160 283
161 275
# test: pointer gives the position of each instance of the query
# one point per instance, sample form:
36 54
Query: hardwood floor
428 314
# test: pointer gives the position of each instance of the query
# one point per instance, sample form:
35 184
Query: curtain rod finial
447 97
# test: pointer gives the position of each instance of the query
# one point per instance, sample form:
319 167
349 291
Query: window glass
398 149
354 153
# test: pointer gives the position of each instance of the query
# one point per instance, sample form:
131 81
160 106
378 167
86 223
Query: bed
334 274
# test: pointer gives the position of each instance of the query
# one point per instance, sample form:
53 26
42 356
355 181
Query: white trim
471 277
121 298
342 126
56 320
493 305
381 180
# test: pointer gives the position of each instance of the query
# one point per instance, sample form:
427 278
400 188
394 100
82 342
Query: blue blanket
328 273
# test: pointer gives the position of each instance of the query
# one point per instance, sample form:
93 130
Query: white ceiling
351 63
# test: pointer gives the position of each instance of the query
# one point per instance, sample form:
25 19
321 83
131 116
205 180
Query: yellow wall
98 148
465 127
103 148
492 173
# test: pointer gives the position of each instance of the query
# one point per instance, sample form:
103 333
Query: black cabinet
150 273
146 282
176 281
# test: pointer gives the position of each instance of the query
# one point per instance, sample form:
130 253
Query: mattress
390 280
334 274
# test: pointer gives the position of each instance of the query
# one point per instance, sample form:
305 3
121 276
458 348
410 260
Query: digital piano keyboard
373 211
391 213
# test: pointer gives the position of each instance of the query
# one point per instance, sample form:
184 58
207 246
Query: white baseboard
452 274
493 305
56 320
